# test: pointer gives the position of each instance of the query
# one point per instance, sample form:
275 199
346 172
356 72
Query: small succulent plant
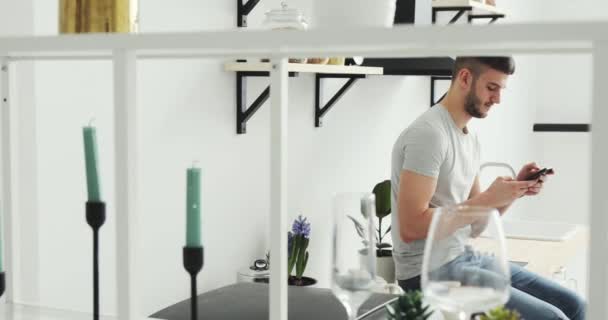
408 307
500 313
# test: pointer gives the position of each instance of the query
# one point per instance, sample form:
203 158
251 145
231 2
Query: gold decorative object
338 61
318 60
84 16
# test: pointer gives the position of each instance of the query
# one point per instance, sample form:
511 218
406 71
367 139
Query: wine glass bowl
461 272
353 255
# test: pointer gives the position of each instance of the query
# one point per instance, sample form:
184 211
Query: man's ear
465 79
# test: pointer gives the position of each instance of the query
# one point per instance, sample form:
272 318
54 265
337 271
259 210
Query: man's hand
528 170
504 190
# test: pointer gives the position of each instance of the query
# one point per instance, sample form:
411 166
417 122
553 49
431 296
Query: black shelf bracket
243 10
433 80
562 127
320 112
244 112
493 17
460 10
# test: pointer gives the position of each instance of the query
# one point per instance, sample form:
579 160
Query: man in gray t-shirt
435 163
433 146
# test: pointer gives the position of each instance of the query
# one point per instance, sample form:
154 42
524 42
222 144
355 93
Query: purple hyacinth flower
301 227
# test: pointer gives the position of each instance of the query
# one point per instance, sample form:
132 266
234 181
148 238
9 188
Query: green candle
193 208
90 158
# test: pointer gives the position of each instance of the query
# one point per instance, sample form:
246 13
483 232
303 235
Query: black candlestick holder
2 283
193 263
96 216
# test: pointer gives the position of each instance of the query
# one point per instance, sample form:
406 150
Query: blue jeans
533 296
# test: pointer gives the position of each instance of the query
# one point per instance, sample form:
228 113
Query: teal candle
193 207
90 158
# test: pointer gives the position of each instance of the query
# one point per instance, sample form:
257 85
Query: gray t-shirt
433 146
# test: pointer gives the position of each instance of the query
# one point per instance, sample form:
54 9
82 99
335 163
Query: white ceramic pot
385 268
353 13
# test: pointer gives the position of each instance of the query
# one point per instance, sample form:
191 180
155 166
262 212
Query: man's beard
472 105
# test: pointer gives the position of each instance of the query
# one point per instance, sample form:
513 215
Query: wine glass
353 257
465 268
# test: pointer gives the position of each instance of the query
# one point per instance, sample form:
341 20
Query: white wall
187 113
563 95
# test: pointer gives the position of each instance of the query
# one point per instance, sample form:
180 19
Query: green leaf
386 232
358 227
292 260
382 191
408 307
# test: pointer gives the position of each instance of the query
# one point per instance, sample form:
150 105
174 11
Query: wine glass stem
352 312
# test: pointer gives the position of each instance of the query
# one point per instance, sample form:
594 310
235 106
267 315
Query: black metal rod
494 17
243 10
340 76
337 96
433 80
320 112
562 127
96 217
248 7
256 104
193 302
457 16
241 100
318 96
2 283
95 274
243 112
460 9
433 91
193 259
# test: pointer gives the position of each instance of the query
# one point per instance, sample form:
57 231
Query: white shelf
25 312
406 41
479 7
304 68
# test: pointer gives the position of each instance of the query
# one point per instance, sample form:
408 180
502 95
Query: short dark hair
477 64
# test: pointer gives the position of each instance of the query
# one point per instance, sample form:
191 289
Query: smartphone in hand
539 173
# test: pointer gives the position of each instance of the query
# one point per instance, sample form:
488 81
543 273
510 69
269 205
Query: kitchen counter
542 257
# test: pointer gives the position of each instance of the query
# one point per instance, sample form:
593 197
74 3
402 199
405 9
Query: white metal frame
126 150
587 37
6 202
278 188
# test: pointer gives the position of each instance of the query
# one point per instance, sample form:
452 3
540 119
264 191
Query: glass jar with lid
286 19
259 271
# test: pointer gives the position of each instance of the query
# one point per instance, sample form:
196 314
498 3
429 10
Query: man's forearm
503 209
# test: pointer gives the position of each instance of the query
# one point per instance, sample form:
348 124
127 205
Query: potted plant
385 267
297 246
408 306
500 313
